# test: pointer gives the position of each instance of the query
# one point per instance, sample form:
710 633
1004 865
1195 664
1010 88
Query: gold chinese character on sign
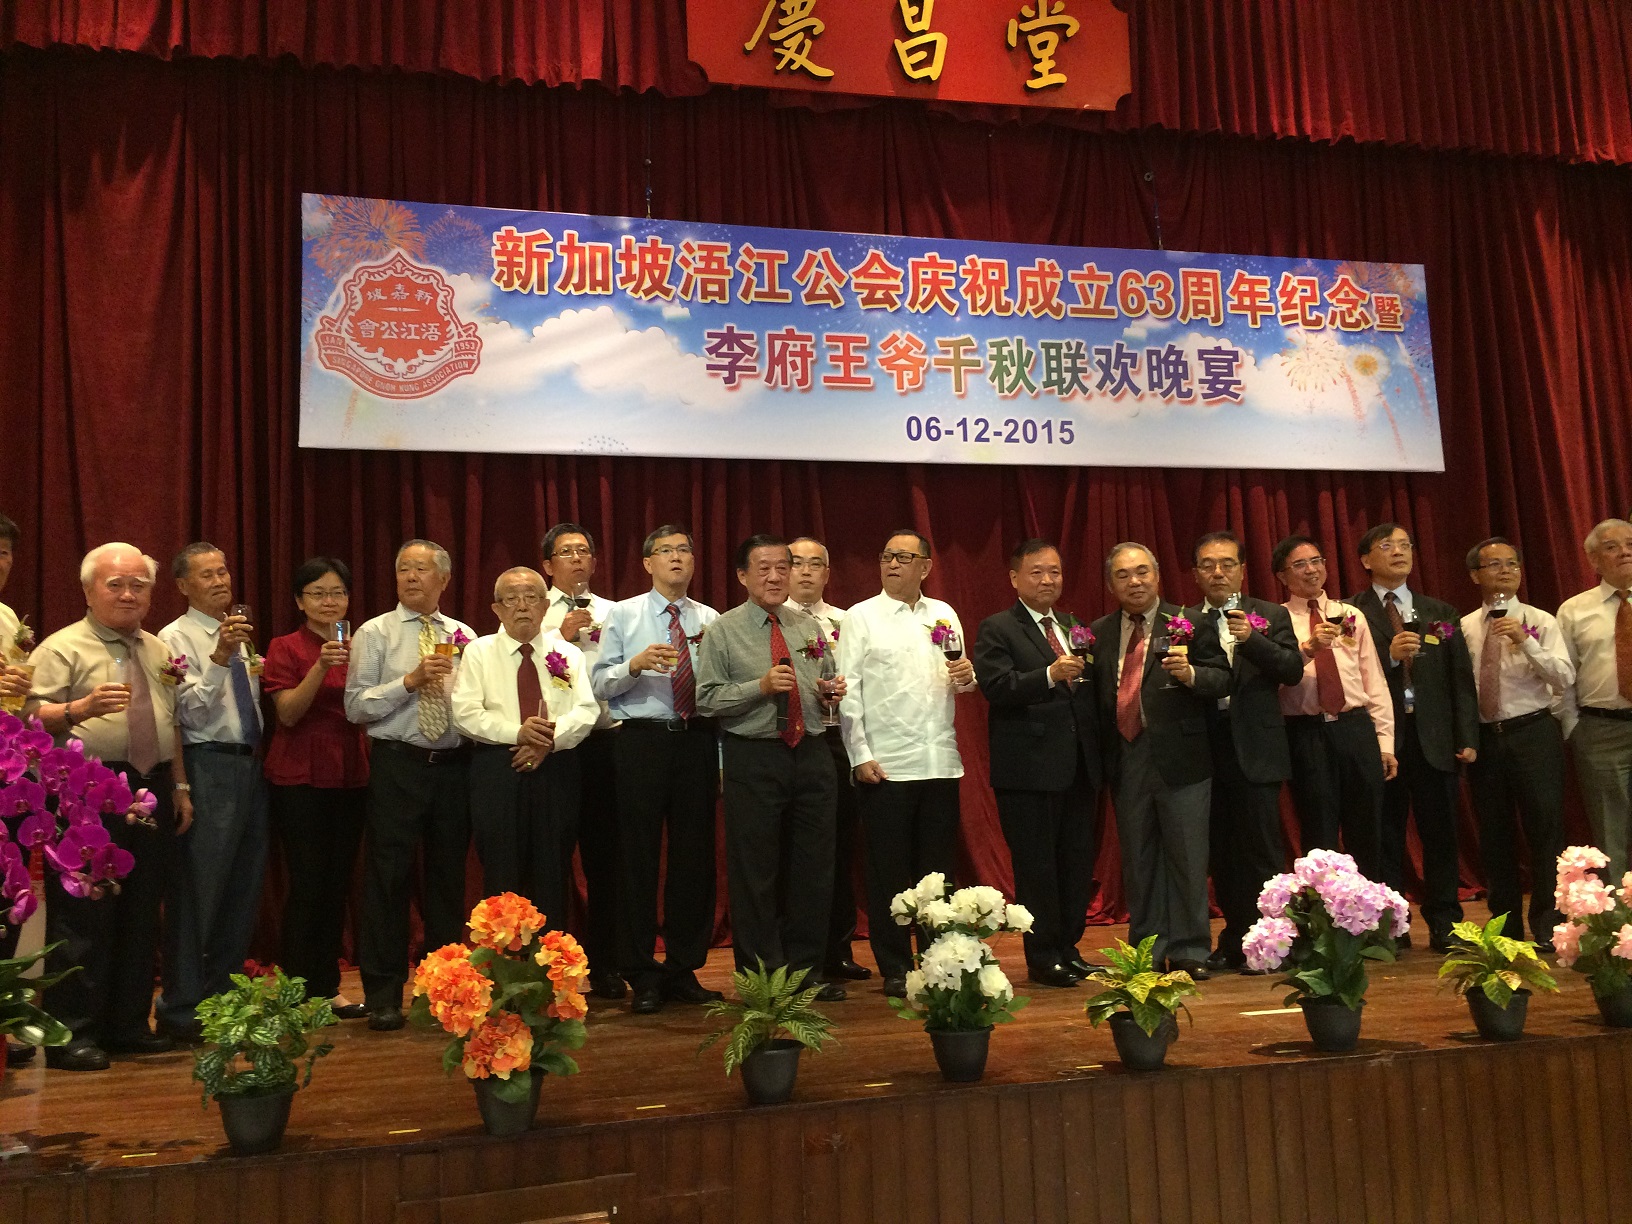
1045 28
923 55
796 32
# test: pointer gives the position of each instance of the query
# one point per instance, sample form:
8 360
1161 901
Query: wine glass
1161 645
952 645
826 688
342 631
248 613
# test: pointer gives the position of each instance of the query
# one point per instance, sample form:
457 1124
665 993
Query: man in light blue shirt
667 761
398 685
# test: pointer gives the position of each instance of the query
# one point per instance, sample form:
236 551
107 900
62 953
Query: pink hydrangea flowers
1330 881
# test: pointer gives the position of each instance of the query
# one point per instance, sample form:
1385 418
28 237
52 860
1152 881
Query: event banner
433 327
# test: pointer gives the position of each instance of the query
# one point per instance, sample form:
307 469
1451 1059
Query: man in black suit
1248 736
1044 759
1436 721
1157 757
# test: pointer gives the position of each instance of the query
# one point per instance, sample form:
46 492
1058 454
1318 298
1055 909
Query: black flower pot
1499 1023
1138 1050
961 1055
255 1122
1616 1009
500 1117
768 1073
1333 1026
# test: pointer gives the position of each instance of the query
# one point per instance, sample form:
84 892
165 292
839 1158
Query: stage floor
387 1089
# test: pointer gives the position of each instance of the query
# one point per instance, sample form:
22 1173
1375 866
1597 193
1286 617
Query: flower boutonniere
940 631
1081 638
1180 630
459 640
1533 632
174 671
814 648
556 664
23 640
834 634
1257 622
595 635
698 636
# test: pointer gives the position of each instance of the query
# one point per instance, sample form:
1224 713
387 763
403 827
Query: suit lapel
1030 630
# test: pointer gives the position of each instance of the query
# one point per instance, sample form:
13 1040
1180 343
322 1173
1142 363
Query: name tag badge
255 665
1430 640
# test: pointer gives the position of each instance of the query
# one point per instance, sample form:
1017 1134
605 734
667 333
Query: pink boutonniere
1444 630
556 664
1257 622
1350 626
595 634
834 634
459 640
174 671
814 648
698 636
1082 637
940 631
1533 632
1180 630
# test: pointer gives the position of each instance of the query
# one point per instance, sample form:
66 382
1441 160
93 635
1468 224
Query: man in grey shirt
757 671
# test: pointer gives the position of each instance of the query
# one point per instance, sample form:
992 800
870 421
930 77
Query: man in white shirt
577 614
523 697
898 659
808 591
668 763
1597 629
398 685
1522 671
213 896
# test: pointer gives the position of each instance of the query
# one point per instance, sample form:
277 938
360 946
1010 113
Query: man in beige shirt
100 681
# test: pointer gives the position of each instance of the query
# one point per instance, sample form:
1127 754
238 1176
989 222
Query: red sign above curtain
1071 54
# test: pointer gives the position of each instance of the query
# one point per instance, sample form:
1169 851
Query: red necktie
1053 638
1623 646
1128 721
1397 623
682 682
529 691
1327 681
795 730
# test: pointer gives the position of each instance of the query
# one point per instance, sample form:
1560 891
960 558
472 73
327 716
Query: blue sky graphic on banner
435 327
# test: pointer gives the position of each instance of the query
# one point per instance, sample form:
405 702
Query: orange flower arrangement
513 1002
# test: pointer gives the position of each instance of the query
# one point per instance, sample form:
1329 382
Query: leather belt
425 756
669 724
1606 712
1505 725
224 749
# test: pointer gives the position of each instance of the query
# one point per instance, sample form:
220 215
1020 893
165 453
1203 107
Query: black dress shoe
191 1034
385 1019
1403 942
895 988
832 992
351 1011
1078 967
687 989
1544 947
1196 969
1440 943
77 1056
1052 975
1225 961
846 970
140 1042
648 1001
607 986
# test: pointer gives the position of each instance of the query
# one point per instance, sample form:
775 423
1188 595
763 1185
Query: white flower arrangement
957 983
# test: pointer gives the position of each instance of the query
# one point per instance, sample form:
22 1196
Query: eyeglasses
1217 567
527 599
1393 546
672 550
574 550
326 595
815 563
1304 565
900 558
134 585
1497 567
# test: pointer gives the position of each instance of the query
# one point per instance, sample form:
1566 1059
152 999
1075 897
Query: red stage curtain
1507 76
149 261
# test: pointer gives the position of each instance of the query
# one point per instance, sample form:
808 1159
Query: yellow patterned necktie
433 702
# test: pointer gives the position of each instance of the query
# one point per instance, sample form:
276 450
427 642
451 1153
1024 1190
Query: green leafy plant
1133 985
768 1005
20 1013
256 1034
1485 959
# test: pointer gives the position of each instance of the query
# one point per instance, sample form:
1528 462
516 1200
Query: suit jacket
1033 730
1175 717
1447 703
1264 661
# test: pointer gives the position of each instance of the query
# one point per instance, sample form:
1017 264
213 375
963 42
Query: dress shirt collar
1402 593
513 646
917 607
1039 617
203 620
818 609
1146 618
106 634
1607 590
408 614
762 616
658 602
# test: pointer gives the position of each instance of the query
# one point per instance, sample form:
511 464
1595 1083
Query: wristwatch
182 786
68 715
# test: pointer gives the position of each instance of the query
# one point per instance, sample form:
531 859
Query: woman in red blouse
318 769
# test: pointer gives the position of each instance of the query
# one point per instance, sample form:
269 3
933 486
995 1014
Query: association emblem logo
395 333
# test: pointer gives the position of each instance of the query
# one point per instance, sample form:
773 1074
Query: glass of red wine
952 645
1161 644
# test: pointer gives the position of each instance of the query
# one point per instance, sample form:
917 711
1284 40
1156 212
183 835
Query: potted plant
1496 975
1327 921
772 1020
255 1035
1140 1003
1595 938
514 1002
956 986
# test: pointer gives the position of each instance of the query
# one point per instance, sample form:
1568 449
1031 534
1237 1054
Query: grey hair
183 563
537 578
1130 546
87 567
1595 537
444 563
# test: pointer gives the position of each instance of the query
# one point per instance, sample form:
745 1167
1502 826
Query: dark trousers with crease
319 828
1428 795
1245 833
841 913
1337 786
666 783
911 829
1051 842
1522 771
598 849
524 825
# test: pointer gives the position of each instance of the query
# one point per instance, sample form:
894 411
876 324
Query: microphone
782 701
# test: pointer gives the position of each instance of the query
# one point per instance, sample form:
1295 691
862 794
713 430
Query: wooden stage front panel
1423 1122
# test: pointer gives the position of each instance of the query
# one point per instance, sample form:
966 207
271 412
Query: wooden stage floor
1258 1111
